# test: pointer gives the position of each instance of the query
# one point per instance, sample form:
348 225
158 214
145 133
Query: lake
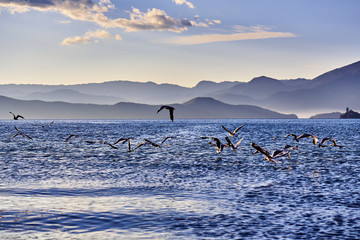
83 189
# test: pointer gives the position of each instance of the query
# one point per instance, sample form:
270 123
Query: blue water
52 189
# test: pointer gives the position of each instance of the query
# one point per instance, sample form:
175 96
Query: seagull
139 145
305 135
233 133
220 147
268 157
16 117
71 136
166 138
321 144
232 145
124 140
19 133
102 142
171 111
47 124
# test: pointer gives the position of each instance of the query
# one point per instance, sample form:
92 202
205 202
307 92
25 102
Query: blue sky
174 41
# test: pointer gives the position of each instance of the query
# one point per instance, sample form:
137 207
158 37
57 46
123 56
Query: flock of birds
215 142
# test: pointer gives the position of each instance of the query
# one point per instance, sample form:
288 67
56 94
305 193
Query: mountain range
200 107
332 91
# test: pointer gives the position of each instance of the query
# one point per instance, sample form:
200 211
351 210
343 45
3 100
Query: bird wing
238 143
291 134
28 136
161 108
152 143
14 136
19 116
171 112
226 130
237 129
119 140
229 143
137 146
112 146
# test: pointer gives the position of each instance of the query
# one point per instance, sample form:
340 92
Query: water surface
51 189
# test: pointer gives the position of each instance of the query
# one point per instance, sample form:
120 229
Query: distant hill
329 92
71 96
195 108
333 115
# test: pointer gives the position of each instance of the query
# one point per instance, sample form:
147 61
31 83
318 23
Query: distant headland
350 114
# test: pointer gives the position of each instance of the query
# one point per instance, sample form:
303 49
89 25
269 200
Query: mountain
195 108
71 96
148 92
329 92
333 115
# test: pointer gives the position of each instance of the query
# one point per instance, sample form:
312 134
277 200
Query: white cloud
98 34
86 10
243 33
181 2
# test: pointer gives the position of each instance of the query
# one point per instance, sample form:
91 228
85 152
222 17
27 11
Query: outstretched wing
152 143
237 129
238 143
171 112
161 108
227 130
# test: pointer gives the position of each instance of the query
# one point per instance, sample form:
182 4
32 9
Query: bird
16 117
268 157
124 140
47 124
321 144
137 146
102 142
305 135
171 111
219 146
19 133
71 136
233 133
166 138
234 148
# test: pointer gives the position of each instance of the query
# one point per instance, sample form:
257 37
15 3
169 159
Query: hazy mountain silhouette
71 96
329 92
196 108
335 115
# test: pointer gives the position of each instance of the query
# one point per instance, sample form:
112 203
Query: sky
174 41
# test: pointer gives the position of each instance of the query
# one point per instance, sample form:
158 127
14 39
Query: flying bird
47 124
71 136
305 135
171 111
21 134
124 140
219 146
16 117
233 133
166 138
268 157
137 146
234 148
321 144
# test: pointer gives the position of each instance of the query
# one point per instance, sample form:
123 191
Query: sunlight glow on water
51 189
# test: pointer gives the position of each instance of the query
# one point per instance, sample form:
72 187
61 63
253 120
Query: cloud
181 2
86 10
243 33
98 34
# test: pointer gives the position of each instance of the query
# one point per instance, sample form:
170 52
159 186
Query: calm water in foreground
52 189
